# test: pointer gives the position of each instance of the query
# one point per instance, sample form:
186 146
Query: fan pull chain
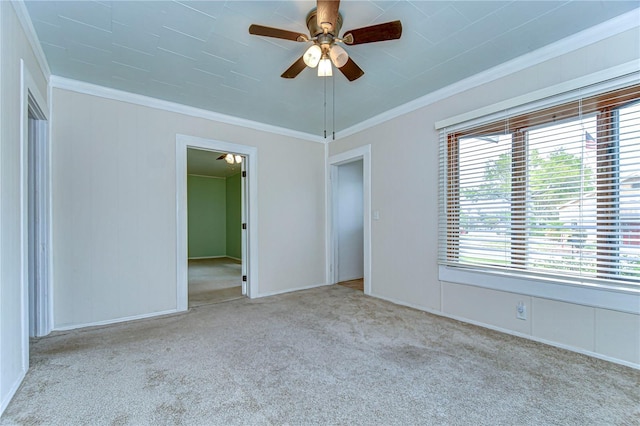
325 107
333 108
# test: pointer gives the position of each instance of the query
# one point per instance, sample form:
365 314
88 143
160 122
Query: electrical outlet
521 311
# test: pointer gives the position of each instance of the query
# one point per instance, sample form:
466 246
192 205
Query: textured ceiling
201 54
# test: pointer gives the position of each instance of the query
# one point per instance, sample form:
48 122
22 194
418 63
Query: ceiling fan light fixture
238 159
312 56
338 56
229 158
324 68
324 23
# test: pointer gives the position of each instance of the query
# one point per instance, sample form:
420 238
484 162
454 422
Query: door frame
333 162
32 100
184 142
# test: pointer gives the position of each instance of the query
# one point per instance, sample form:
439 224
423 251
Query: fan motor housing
315 30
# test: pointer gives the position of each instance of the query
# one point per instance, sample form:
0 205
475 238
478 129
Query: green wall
214 216
207 216
234 216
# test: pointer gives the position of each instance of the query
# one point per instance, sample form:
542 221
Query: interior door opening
348 221
216 212
249 211
37 221
349 217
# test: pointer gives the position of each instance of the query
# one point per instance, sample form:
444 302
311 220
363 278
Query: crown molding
579 40
132 98
605 80
32 37
610 28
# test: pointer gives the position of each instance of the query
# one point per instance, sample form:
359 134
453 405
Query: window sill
588 294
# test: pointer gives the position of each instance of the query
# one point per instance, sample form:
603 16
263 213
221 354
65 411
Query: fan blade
379 32
295 69
327 14
221 157
351 70
276 33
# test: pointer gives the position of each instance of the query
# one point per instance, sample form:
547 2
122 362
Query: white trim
595 296
27 26
50 190
511 332
119 95
183 142
43 175
574 42
28 87
291 290
25 82
361 153
5 398
623 74
328 264
116 320
182 242
12 391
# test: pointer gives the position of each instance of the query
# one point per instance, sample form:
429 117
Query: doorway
37 220
249 211
35 214
214 222
349 225
349 229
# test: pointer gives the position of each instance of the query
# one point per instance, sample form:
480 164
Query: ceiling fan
231 158
324 24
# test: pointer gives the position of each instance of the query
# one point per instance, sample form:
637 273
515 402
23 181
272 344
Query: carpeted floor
214 280
323 356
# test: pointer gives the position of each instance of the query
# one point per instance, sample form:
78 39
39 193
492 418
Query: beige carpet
214 280
324 356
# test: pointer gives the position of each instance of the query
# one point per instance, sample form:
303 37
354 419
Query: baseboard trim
206 257
512 333
291 290
215 257
116 320
6 399
343 280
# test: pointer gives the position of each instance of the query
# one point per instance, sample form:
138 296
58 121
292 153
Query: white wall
114 207
404 239
14 46
349 222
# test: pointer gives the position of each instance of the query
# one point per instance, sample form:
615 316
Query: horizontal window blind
551 191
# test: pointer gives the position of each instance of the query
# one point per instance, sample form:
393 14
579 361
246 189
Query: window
552 192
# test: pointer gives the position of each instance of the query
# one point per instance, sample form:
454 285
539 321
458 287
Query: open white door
245 237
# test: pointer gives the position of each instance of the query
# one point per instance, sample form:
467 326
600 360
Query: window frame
604 105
